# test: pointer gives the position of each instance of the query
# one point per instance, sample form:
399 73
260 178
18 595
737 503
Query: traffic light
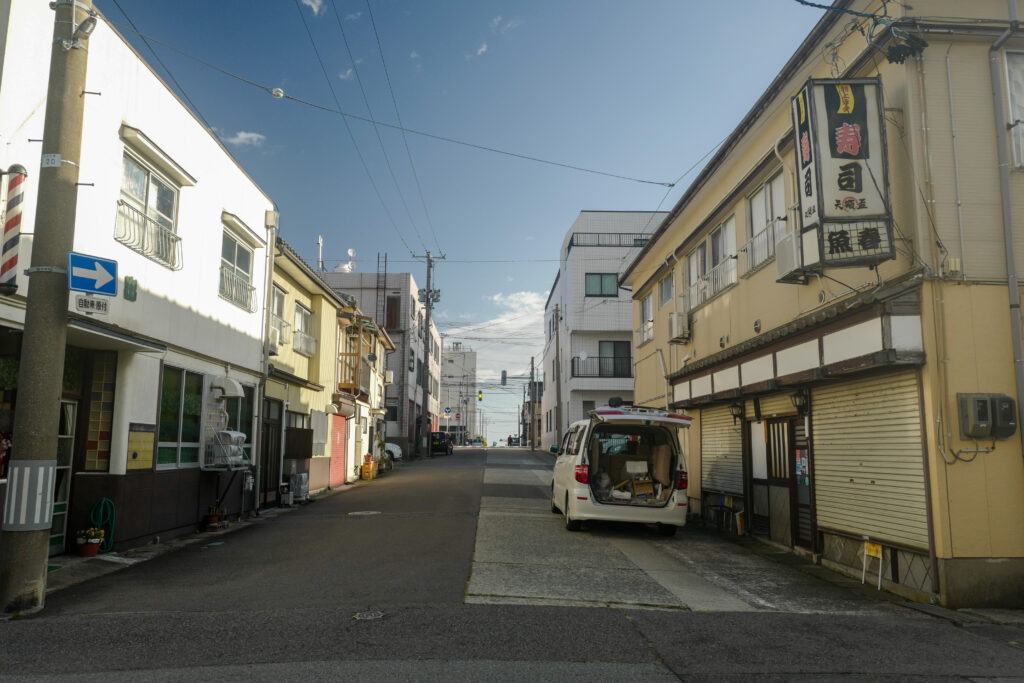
504 377
479 395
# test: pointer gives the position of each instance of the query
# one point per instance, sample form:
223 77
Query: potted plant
215 514
89 541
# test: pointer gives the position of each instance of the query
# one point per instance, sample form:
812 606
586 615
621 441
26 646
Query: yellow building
831 300
297 405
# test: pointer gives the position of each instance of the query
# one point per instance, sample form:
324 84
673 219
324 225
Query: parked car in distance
394 449
478 443
441 443
623 464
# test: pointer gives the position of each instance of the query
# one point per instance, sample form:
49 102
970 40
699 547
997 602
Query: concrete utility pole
533 407
429 297
28 508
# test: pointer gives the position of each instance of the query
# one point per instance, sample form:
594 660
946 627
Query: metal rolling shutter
777 405
721 448
868 458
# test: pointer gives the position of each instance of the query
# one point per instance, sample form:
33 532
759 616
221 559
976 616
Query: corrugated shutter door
721 448
868 458
777 405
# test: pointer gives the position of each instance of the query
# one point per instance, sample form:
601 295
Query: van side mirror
554 449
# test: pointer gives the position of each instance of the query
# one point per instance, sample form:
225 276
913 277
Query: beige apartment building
835 302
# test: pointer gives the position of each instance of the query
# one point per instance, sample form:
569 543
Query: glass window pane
162 199
610 284
231 407
593 284
133 179
244 263
189 455
245 419
167 455
758 214
192 408
170 405
227 249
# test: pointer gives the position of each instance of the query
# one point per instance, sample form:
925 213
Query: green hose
104 515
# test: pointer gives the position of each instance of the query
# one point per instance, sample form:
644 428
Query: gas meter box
1004 416
984 416
975 416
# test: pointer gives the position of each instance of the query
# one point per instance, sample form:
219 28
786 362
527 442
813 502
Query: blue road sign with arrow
92 274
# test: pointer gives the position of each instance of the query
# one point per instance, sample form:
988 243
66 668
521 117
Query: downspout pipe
1003 147
271 224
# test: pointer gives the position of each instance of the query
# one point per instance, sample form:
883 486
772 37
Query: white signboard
91 305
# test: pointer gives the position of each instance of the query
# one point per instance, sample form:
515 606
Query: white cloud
353 16
499 25
529 238
315 5
347 76
509 279
482 49
414 55
243 138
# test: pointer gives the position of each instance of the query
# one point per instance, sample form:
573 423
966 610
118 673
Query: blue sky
641 89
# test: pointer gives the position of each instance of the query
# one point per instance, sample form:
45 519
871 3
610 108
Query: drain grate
367 616
364 513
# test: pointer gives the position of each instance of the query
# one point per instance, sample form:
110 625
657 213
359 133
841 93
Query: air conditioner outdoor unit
789 258
678 328
298 486
275 340
226 451
389 377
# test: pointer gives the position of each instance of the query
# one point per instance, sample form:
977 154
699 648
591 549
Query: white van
623 464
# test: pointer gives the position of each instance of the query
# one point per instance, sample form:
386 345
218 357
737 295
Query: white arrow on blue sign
447 411
92 274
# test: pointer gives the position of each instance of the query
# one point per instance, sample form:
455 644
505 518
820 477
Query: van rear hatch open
634 463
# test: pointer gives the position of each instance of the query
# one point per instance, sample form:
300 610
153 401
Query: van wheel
668 530
554 506
571 524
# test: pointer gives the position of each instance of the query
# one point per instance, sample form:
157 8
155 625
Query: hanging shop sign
839 130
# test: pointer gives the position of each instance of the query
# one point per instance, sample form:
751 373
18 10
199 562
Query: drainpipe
664 374
1002 140
956 169
270 222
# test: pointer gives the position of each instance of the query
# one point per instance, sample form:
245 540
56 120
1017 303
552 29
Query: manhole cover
364 513
365 616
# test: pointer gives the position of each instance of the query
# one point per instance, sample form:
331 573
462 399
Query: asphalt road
454 568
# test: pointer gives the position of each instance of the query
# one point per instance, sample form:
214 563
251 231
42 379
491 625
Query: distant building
391 300
588 319
459 392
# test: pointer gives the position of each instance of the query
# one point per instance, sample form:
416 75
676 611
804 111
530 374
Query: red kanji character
805 147
848 139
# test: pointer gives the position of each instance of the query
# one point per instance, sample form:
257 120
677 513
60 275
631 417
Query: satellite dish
583 355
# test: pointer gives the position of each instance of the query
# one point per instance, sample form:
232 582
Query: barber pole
12 225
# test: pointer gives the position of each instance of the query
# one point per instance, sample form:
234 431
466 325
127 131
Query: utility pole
533 408
429 297
28 508
558 376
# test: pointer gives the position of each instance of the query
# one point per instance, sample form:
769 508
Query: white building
588 319
392 301
459 392
145 381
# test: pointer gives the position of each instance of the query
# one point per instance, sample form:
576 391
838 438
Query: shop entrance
781 481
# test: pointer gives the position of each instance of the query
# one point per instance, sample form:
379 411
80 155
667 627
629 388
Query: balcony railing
608 239
716 279
237 289
644 333
761 246
283 329
145 236
303 343
602 366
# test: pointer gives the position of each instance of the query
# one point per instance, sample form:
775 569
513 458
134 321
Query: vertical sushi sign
843 171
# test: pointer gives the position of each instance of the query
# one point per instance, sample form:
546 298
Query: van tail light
582 473
683 482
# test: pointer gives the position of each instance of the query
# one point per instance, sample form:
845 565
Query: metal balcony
237 290
303 343
602 366
145 236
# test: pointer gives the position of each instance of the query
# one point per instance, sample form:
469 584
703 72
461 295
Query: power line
405 141
376 128
280 94
161 63
348 128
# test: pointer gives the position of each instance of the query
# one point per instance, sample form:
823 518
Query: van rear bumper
674 513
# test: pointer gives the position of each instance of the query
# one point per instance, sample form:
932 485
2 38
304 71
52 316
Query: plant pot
89 547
